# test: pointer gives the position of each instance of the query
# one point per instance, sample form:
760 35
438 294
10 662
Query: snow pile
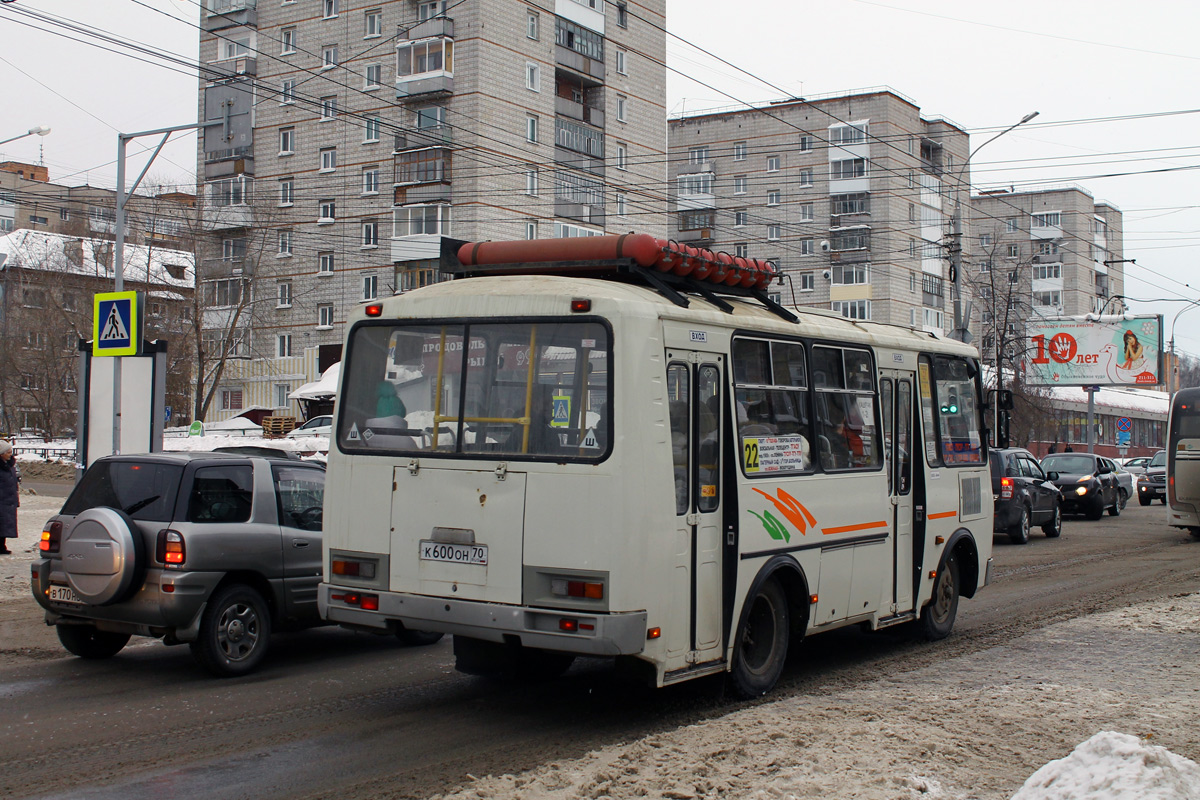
1115 766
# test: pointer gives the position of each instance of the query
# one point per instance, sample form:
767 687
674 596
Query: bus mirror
1004 399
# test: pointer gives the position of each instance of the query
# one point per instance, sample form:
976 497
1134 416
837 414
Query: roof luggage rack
673 269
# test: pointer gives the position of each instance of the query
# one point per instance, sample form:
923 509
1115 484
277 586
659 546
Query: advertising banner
1095 351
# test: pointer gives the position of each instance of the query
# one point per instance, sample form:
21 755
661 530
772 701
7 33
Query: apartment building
851 195
353 136
1046 252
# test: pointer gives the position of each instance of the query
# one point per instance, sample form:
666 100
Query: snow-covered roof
56 252
320 389
1117 398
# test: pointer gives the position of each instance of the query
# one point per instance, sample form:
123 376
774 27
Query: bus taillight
1006 488
589 590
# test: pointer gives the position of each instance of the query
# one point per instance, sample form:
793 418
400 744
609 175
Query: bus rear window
536 389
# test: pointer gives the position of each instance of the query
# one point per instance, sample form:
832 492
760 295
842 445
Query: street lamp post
1172 379
960 322
37 130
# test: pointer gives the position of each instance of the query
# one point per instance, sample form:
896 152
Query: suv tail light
170 549
51 536
1006 488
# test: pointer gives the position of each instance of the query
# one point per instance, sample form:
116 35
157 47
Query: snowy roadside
974 728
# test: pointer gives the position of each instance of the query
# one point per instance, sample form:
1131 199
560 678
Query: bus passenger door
695 402
896 399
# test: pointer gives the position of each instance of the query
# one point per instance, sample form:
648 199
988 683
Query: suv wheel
86 641
1143 499
1019 532
234 632
1053 526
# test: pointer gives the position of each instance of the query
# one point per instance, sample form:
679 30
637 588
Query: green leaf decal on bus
774 528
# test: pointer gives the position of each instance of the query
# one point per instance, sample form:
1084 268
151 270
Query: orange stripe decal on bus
942 514
792 509
847 528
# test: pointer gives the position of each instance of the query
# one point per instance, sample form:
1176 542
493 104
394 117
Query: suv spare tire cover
103 556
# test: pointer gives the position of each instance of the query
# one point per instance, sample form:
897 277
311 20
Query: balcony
223 14
702 236
424 87
418 138
436 27
587 214
565 107
233 67
219 218
425 67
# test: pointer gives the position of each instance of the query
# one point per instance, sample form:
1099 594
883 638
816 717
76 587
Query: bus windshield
537 389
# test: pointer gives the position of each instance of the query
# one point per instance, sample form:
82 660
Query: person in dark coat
9 496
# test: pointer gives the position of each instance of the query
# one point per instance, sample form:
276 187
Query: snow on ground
976 727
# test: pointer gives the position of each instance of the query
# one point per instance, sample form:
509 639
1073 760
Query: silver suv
215 550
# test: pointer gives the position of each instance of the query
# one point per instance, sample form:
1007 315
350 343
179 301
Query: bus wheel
1195 532
937 618
762 641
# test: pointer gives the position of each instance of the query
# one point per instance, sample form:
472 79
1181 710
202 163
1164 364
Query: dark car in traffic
1152 484
1024 495
1088 482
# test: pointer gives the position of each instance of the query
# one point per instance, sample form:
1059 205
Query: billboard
1095 351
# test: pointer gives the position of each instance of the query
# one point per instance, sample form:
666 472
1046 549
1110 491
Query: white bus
646 465
1183 461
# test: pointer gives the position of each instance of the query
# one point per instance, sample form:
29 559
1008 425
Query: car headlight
1081 490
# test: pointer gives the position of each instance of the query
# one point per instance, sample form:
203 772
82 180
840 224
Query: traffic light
951 404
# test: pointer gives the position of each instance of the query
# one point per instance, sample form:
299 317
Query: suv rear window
144 491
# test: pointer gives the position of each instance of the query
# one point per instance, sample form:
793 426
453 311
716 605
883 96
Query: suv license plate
63 594
454 553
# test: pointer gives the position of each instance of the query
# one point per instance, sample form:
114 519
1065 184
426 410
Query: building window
773 197
1049 220
847 168
985 266
1047 299
622 15
370 287
285 242
622 107
38 220
285 295
428 165
425 58
1047 271
807 247
328 159
430 220
372 130
531 229
233 249
287 92
327 211
739 184
806 212
985 241
773 233
286 192
533 76
325 263
370 233
328 108
283 345
772 163
282 390
621 204
854 309
697 220
370 180
223 293
235 48
287 141
373 24
741 250
622 157
806 143
698 155
1047 248
287 39
849 274
739 151
807 281
1010 225
430 9
329 56
531 182
329 8
740 217
806 177
847 134
1014 251
698 183
373 76
853 203
231 399
531 129
852 239
621 56
531 26
325 315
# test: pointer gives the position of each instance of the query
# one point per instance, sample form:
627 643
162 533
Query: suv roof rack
673 269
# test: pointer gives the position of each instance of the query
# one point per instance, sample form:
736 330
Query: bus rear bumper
614 634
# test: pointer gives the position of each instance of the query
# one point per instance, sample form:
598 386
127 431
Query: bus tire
1143 499
479 657
937 617
762 641
1195 532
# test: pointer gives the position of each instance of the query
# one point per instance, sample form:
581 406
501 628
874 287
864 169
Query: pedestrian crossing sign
116 324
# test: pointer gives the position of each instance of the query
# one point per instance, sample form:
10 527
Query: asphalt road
335 714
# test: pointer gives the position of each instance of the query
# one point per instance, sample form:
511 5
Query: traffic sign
116 324
1124 424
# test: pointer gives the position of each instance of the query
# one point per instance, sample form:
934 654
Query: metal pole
118 284
1091 423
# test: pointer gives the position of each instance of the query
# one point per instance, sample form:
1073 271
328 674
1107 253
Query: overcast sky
1112 81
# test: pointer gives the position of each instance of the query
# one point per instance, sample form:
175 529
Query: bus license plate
454 553
63 594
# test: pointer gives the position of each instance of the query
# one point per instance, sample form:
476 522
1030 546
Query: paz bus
622 447
1183 461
